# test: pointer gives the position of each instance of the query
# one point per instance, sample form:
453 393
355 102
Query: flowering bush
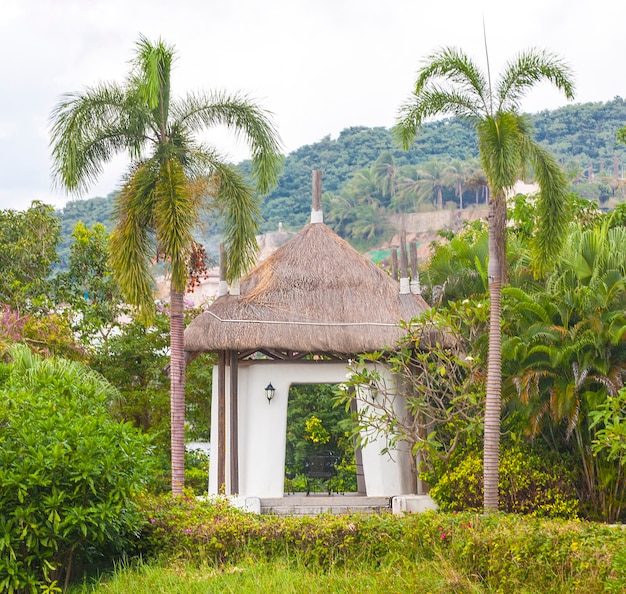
498 552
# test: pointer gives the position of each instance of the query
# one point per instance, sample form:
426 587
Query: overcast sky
319 65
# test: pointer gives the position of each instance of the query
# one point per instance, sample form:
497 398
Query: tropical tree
458 173
434 177
171 178
450 83
386 175
476 180
89 287
28 243
564 354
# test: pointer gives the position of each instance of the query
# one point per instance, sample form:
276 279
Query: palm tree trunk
177 389
491 451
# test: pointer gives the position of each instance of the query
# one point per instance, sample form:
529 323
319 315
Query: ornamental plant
69 473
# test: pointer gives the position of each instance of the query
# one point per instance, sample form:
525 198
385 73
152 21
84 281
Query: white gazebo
297 318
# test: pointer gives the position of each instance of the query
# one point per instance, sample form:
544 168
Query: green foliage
88 286
133 361
584 132
44 333
457 268
28 241
89 212
429 393
316 425
196 471
68 473
493 553
563 356
611 438
531 482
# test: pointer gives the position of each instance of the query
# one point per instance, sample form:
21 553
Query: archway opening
320 454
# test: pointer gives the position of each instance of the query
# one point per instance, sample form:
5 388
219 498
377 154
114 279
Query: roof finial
317 216
416 289
404 265
222 288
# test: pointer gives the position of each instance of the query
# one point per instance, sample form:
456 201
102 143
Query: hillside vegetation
582 136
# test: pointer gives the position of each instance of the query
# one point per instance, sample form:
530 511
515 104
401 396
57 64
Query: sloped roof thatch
315 294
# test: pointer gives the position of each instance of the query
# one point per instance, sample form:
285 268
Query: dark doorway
320 452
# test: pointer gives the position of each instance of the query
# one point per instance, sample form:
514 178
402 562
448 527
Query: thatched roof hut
315 294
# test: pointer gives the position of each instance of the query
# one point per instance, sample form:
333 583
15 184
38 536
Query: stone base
412 504
249 504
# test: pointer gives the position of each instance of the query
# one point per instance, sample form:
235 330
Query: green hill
582 136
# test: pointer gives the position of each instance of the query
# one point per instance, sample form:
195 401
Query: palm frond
89 128
454 66
153 63
33 370
245 119
430 103
525 71
133 245
500 147
175 216
240 211
552 206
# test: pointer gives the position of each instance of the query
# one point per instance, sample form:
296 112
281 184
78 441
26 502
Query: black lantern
270 391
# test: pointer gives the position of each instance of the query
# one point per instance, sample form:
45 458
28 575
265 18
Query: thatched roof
315 294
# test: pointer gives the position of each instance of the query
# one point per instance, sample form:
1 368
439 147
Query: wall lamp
270 392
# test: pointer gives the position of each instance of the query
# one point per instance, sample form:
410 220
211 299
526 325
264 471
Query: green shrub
498 552
530 483
68 473
197 471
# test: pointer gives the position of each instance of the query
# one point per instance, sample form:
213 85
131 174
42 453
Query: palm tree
458 172
171 178
477 181
433 177
566 355
420 184
450 83
386 176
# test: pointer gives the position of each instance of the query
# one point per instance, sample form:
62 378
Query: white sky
319 65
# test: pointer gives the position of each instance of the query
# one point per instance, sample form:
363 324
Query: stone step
312 505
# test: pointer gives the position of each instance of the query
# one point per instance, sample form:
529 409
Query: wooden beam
234 424
358 454
317 189
413 252
394 263
221 422
404 258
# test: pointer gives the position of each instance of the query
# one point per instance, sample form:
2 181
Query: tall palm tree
450 83
171 178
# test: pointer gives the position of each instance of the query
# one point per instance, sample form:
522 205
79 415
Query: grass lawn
281 577
193 547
